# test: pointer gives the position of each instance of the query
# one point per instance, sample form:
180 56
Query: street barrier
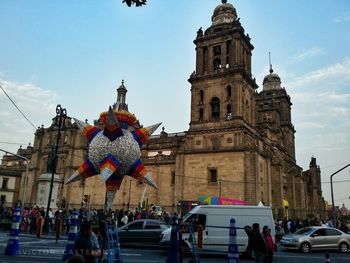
12 247
69 250
195 254
232 256
200 237
113 254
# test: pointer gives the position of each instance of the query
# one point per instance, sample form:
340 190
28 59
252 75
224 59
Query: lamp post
61 115
25 177
333 207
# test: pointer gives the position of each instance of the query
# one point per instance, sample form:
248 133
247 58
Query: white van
212 217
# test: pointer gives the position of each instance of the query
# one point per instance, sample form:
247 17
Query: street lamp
333 207
61 115
25 177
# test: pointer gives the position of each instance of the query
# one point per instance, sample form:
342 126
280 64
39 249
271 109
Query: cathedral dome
224 13
272 81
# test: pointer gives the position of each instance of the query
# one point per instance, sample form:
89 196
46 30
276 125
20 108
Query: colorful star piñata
114 151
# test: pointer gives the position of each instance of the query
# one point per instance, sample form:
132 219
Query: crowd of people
88 246
34 219
287 226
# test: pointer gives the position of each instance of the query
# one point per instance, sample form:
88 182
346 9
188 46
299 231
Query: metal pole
25 184
220 188
333 207
129 194
143 195
82 195
25 177
61 114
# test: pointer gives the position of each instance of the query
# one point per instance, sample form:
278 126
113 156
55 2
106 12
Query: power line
17 107
15 143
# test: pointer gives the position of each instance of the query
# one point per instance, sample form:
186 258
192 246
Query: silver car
317 237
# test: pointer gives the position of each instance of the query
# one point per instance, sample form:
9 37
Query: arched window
217 63
247 109
229 108
228 91
229 111
201 115
201 96
215 108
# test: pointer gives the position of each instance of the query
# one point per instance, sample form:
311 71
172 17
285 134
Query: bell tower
223 90
121 98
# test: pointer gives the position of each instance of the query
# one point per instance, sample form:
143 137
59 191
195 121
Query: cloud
36 103
342 18
305 54
333 74
327 97
309 125
321 113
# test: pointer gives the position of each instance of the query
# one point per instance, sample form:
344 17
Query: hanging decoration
114 151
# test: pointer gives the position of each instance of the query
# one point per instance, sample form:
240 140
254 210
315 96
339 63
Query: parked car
317 237
142 232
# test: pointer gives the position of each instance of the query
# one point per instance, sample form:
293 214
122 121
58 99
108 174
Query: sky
76 53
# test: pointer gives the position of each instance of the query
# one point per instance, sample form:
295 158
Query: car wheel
305 247
343 247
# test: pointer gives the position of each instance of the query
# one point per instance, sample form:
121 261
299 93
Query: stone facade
12 169
240 143
314 200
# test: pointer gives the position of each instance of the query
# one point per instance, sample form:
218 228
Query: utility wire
15 143
17 107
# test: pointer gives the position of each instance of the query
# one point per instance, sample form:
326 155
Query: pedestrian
58 225
125 219
271 246
68 222
32 223
102 237
39 225
86 244
50 219
256 242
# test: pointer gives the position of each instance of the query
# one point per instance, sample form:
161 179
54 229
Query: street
46 250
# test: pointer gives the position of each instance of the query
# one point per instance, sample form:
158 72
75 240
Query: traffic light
86 199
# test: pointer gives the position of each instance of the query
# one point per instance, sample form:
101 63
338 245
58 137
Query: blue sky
75 53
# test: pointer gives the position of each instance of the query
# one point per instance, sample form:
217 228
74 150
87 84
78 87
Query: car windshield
304 231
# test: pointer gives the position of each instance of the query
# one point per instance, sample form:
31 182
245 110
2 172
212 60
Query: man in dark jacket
256 242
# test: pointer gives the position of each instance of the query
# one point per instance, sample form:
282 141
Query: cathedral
240 143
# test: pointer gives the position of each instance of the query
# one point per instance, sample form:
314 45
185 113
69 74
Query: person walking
256 242
270 244
39 224
58 224
102 237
